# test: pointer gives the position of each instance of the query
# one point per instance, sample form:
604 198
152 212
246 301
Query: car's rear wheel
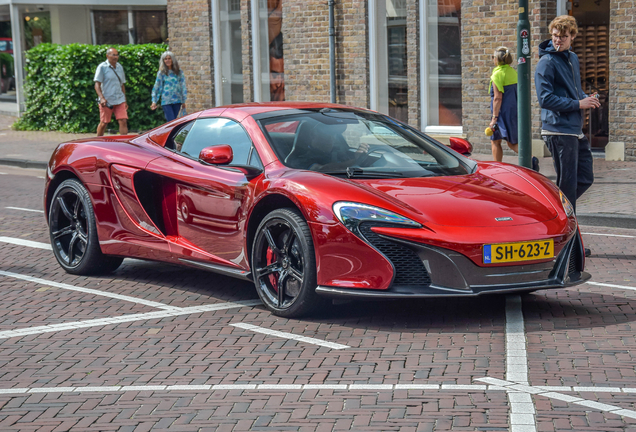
74 234
284 264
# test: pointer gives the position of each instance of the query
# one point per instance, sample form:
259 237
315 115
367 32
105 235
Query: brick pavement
582 336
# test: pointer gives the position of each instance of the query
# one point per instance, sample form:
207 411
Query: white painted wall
70 24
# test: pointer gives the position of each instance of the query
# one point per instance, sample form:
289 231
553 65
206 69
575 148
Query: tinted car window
214 131
180 136
357 144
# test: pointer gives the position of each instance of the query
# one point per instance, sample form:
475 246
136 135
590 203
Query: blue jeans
171 111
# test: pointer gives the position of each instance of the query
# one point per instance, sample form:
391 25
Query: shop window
121 27
37 29
231 61
443 101
388 57
150 27
111 27
267 21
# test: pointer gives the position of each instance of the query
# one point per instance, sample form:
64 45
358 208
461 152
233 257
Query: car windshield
356 144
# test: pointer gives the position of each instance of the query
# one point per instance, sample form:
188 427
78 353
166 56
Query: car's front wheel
284 264
74 234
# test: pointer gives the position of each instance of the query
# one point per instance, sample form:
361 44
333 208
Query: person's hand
183 106
589 102
493 122
126 105
102 102
363 148
153 106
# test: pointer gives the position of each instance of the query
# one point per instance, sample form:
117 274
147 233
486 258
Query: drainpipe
332 51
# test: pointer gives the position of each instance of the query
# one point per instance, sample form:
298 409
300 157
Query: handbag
182 112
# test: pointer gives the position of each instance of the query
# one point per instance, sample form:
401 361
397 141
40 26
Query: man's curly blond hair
563 24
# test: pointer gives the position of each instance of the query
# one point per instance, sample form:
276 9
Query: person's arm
99 78
98 89
156 91
184 89
544 77
123 90
496 105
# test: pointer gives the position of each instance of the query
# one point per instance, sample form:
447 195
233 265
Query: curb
23 163
611 220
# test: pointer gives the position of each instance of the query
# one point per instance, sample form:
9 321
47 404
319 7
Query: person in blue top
557 80
170 87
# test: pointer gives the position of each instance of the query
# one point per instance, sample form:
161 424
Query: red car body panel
206 210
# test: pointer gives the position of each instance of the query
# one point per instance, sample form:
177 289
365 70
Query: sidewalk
611 201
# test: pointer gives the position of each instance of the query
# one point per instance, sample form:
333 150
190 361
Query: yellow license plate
523 251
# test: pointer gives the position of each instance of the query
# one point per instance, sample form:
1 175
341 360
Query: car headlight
351 214
567 205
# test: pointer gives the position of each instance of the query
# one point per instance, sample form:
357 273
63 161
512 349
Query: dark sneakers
535 163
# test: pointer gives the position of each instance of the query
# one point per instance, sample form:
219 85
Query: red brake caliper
273 277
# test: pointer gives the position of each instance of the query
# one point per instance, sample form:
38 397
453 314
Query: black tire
284 264
74 234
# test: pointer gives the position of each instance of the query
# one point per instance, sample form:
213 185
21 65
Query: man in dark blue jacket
557 80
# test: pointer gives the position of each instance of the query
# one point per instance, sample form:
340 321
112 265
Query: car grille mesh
572 264
409 268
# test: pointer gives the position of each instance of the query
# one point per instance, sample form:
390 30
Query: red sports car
311 201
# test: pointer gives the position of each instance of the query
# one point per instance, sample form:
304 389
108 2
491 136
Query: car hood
497 199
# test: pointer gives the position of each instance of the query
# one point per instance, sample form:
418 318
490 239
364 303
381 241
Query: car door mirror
217 155
461 146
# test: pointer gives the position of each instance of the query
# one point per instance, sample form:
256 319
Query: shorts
106 114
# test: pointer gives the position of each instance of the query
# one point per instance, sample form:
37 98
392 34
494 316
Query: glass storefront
231 67
112 27
397 64
443 25
270 51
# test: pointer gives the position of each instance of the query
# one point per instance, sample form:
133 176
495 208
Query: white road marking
609 235
125 318
28 243
285 335
530 390
500 385
26 209
87 290
612 285
522 411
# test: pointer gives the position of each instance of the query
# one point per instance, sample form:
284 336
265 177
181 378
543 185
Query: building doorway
591 45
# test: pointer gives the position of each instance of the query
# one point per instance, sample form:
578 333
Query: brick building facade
427 63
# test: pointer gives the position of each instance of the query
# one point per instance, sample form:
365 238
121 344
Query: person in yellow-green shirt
503 105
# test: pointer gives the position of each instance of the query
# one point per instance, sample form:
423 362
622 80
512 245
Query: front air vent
409 269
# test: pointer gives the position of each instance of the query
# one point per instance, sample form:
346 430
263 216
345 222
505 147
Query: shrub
59 87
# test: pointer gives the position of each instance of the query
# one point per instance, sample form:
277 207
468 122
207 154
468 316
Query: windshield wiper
353 172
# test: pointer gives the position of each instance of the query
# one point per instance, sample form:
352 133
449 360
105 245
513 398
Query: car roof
253 108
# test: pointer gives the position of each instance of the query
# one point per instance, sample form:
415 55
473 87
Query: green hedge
60 93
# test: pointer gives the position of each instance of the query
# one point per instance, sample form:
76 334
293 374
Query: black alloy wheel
74 234
284 264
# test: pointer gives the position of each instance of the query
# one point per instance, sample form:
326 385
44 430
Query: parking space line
126 318
611 285
22 242
609 235
538 391
522 411
87 290
286 335
25 209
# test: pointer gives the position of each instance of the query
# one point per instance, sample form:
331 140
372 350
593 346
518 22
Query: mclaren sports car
311 202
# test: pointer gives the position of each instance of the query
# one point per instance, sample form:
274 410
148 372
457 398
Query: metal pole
523 73
332 52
